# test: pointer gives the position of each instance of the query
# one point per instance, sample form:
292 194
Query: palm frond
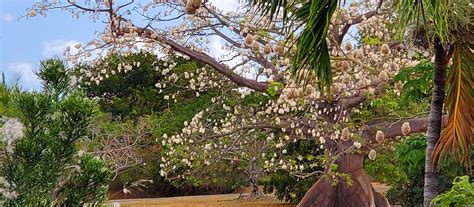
272 8
414 12
312 52
312 47
456 139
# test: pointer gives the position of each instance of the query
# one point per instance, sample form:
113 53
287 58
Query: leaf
271 7
273 88
312 47
456 139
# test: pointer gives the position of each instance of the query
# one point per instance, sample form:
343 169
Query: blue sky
25 42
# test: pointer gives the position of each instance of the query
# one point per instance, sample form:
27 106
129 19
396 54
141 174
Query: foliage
6 92
312 52
288 187
461 194
444 19
456 139
409 193
54 76
137 96
132 92
172 119
126 93
40 167
410 154
408 158
448 22
89 185
417 81
385 168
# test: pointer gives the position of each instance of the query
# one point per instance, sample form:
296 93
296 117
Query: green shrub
403 169
461 194
40 166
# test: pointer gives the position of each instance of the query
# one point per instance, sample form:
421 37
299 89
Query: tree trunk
434 122
358 194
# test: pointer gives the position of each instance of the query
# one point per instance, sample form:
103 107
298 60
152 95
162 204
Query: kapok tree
254 57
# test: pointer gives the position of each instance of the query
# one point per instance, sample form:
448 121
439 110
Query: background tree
130 92
136 114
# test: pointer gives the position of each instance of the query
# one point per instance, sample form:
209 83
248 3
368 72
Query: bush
403 170
461 194
40 166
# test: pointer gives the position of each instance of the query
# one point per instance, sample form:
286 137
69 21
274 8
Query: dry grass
230 200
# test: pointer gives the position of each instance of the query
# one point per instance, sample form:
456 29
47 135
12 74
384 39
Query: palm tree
449 25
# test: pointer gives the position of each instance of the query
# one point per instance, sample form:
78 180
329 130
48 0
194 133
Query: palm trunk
434 122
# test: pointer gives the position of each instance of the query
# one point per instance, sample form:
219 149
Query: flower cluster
12 130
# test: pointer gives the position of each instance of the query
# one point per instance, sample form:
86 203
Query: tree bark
359 193
434 122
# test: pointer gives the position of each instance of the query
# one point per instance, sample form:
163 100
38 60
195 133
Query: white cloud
24 74
55 48
217 51
7 17
226 5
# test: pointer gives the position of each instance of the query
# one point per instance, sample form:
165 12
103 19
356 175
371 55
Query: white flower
357 145
126 191
12 130
345 134
383 76
348 46
405 128
379 136
385 49
73 81
10 195
208 146
372 154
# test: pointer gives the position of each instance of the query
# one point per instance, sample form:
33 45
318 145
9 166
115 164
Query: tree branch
201 57
393 130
